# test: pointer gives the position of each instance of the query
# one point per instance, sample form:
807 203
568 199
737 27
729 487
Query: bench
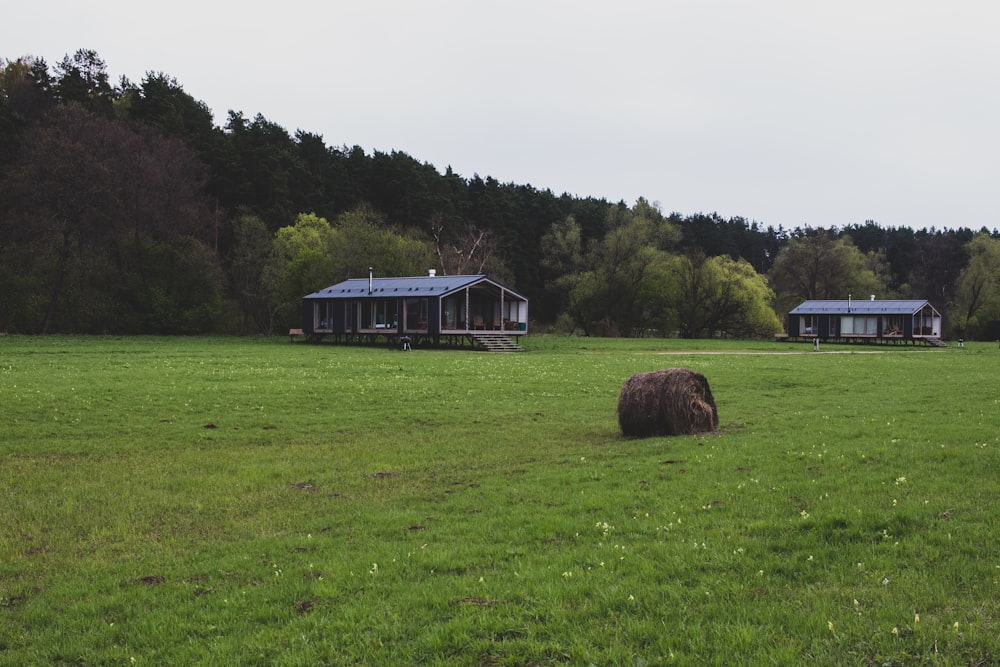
292 333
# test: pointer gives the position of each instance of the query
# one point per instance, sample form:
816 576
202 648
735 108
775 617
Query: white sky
787 112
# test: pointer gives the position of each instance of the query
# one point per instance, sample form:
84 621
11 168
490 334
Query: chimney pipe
370 278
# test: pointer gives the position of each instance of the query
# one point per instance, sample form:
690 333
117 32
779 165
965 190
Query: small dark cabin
891 320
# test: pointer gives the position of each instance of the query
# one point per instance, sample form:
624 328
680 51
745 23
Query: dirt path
773 354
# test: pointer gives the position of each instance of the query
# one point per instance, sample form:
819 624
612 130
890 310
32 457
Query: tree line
124 208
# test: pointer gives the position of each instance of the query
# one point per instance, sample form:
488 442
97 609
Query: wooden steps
494 342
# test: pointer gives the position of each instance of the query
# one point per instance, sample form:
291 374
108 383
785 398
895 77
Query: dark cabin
891 320
425 309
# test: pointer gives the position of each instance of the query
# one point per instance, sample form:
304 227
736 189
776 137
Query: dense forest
124 208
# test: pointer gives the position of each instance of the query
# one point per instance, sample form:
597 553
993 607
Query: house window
416 314
323 316
454 312
924 323
893 326
809 325
378 314
859 325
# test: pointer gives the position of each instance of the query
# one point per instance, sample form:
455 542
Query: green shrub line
247 501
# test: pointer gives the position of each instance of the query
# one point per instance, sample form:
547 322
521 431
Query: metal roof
862 306
403 287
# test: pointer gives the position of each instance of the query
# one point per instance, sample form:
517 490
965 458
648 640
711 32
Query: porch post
502 318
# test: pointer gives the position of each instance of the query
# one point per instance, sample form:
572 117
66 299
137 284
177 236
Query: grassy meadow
247 501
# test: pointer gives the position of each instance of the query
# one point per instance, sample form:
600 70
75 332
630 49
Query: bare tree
464 252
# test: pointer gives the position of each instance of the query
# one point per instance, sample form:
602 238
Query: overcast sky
786 112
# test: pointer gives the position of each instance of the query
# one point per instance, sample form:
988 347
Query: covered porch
484 306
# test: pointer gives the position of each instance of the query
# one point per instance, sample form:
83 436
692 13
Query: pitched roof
354 288
860 306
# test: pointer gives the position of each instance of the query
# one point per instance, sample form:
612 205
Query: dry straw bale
673 401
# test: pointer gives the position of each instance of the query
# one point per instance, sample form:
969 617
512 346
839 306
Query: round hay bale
673 401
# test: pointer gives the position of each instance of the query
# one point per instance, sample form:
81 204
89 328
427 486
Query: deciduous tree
246 263
721 295
88 202
463 251
314 253
977 299
618 288
815 265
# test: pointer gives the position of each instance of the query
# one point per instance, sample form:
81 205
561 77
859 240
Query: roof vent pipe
873 297
370 280
848 303
431 272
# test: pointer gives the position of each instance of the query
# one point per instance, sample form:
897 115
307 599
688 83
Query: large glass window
454 312
925 323
323 315
859 325
378 314
893 326
416 314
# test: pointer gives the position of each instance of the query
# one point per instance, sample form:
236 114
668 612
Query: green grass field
227 501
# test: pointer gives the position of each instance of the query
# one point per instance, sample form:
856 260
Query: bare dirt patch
478 601
305 606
